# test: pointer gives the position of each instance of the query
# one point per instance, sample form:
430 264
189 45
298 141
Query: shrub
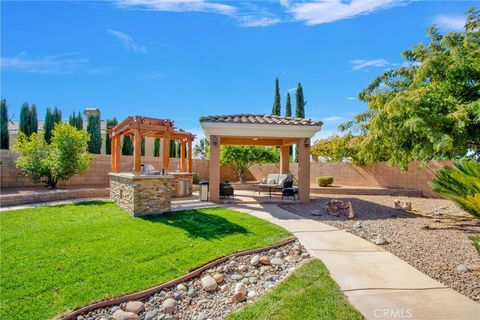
63 158
196 179
460 183
324 181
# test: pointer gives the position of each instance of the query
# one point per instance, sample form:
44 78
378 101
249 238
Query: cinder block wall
377 175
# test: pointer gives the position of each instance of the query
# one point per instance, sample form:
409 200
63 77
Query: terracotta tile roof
260 119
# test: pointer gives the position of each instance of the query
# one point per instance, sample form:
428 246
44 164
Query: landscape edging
150 291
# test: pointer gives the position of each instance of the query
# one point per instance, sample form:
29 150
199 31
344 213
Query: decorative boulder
340 208
240 293
403 205
208 283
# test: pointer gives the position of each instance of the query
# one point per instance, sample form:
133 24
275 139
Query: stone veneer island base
140 194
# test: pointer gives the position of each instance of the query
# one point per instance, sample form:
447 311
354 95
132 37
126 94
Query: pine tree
156 147
93 128
127 146
108 142
4 136
300 102
48 126
276 101
288 106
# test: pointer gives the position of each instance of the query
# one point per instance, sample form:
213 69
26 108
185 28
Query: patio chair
287 189
226 190
149 170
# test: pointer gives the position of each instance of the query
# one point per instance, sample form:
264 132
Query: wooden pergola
140 127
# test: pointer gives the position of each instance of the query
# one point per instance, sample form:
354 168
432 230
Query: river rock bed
426 240
216 292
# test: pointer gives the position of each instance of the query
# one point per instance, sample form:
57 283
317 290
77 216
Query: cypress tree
93 128
33 119
156 147
127 146
56 116
28 119
142 147
48 126
72 119
300 102
108 142
288 106
276 101
4 136
23 124
79 121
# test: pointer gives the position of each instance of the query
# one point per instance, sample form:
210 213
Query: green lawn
56 258
308 293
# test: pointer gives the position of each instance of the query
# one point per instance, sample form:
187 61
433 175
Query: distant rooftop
260 119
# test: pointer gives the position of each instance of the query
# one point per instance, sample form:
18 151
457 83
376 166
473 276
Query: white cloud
362 64
351 98
255 21
325 11
53 64
179 6
453 23
333 119
127 41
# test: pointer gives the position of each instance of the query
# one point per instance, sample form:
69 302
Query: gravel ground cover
434 238
216 292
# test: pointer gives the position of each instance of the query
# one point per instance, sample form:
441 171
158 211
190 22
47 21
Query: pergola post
284 159
113 146
137 151
304 169
166 152
214 169
182 156
190 156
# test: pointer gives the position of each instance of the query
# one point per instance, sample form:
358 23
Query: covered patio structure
261 130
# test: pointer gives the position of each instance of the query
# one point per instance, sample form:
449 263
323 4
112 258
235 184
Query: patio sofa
275 181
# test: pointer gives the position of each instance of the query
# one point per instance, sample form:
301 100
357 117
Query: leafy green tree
93 129
127 146
108 142
337 148
300 102
63 158
4 136
460 183
429 108
288 106
242 158
28 119
202 149
156 147
276 109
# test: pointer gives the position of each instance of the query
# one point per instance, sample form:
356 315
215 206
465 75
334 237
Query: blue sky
181 59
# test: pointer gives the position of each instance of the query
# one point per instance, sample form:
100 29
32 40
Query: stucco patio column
284 159
214 169
137 154
304 169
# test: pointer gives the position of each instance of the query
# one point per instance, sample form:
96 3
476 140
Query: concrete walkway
376 282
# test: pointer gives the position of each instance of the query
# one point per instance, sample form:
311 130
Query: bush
460 183
196 179
63 158
324 181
